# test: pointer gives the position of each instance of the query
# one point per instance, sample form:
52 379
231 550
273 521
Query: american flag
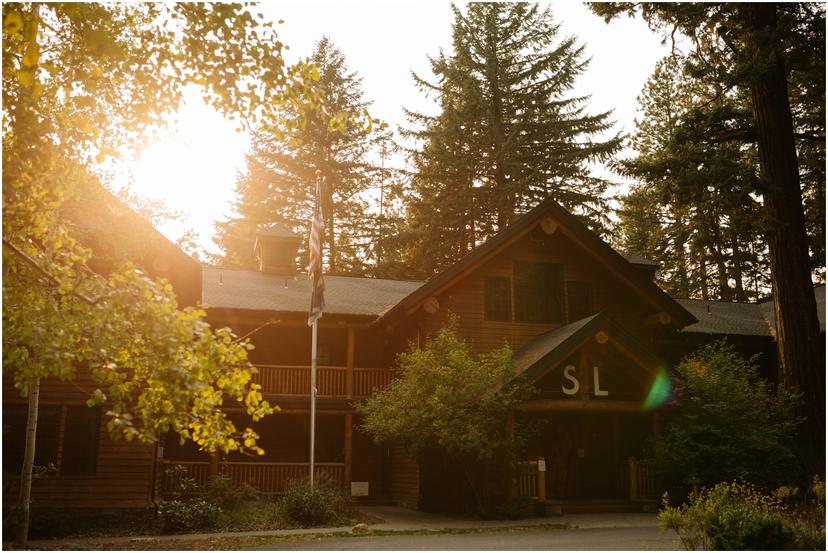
315 256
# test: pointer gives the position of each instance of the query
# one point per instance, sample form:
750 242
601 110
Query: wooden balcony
332 382
267 478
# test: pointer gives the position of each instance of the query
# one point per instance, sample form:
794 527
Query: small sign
359 489
541 465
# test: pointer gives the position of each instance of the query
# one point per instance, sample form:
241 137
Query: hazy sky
194 168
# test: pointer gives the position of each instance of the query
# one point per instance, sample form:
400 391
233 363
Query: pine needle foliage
509 133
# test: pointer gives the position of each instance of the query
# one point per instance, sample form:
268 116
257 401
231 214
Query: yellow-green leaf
32 55
12 23
25 77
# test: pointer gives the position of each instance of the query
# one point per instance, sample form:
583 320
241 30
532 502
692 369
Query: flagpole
313 402
316 308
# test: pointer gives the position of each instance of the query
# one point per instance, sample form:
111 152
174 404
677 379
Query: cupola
276 249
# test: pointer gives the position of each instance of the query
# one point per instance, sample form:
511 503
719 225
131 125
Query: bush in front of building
736 516
183 515
324 504
725 423
450 409
227 494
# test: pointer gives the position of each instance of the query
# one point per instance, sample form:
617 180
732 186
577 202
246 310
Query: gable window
67 437
579 298
538 292
497 299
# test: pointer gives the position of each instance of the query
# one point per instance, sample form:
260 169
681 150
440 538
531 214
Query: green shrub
180 481
725 423
513 508
736 516
324 504
191 514
225 493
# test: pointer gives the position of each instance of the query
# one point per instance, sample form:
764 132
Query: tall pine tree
756 50
509 133
691 208
278 186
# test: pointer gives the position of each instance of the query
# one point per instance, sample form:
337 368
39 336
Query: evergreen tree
755 50
692 208
508 134
278 186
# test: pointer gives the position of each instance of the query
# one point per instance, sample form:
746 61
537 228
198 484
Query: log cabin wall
119 474
466 297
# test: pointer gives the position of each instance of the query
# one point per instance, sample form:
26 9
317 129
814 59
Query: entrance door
586 454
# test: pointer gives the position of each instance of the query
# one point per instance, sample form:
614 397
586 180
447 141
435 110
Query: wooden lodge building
589 327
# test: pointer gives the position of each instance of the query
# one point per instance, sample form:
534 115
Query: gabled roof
254 290
553 347
572 228
115 233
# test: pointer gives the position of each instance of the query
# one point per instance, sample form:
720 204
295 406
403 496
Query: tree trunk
28 464
797 327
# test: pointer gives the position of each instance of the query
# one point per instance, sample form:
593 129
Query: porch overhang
587 347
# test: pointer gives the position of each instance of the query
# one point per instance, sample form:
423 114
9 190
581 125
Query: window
80 438
538 292
78 452
580 301
497 299
14 436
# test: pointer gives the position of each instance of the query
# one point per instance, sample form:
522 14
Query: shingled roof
254 290
743 319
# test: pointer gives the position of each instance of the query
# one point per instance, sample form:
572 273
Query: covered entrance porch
592 421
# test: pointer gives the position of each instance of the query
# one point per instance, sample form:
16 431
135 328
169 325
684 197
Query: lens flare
659 391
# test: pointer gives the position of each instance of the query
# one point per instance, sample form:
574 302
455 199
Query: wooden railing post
633 476
349 452
542 479
510 429
214 465
349 368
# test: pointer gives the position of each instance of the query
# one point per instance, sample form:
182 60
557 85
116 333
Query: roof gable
548 350
566 223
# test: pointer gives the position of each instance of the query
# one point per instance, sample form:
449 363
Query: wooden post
349 370
349 452
542 479
633 475
214 465
510 429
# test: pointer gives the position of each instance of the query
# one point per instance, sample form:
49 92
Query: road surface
646 538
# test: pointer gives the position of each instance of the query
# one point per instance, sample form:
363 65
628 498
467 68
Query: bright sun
192 169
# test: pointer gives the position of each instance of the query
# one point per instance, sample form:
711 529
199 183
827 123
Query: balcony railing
330 381
527 479
642 480
267 478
